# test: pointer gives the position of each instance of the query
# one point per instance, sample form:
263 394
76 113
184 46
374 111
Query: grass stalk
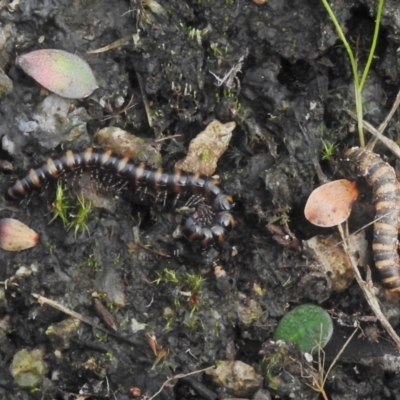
358 83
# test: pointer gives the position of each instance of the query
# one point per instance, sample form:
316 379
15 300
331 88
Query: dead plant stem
369 295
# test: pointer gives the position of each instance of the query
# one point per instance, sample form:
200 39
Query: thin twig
113 45
368 293
390 144
335 360
179 376
44 300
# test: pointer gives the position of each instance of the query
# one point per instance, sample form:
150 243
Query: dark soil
290 94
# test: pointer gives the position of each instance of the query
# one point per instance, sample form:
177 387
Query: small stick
390 144
369 295
179 376
44 300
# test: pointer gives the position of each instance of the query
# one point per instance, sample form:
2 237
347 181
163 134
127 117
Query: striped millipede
209 222
381 176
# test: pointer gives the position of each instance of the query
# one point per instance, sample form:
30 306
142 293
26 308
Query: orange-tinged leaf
331 203
60 72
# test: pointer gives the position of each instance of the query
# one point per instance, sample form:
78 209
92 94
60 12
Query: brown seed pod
331 204
16 236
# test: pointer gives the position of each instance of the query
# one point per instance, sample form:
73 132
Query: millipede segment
208 221
385 188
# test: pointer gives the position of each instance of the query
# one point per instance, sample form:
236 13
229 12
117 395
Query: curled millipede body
208 220
381 176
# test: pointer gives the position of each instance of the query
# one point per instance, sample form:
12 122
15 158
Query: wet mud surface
173 307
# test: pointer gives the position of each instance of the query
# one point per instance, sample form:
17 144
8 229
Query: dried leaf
16 236
334 261
128 145
60 72
331 204
206 148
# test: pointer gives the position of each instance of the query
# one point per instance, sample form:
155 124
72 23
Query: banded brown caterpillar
381 176
208 220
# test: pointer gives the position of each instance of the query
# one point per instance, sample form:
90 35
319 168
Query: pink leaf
60 72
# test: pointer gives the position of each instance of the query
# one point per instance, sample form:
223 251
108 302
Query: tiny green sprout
110 355
217 327
100 337
176 302
329 150
238 105
214 48
194 282
228 93
91 262
170 322
60 205
195 34
170 276
273 365
159 278
124 322
192 322
50 246
193 308
78 221
34 390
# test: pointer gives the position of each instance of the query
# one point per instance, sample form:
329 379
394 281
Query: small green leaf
60 72
307 326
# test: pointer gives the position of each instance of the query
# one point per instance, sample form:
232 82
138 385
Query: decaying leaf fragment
333 260
207 147
127 145
16 236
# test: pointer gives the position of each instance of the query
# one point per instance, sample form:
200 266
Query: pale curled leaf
60 72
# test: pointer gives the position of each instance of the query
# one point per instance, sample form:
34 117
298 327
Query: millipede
382 178
207 220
